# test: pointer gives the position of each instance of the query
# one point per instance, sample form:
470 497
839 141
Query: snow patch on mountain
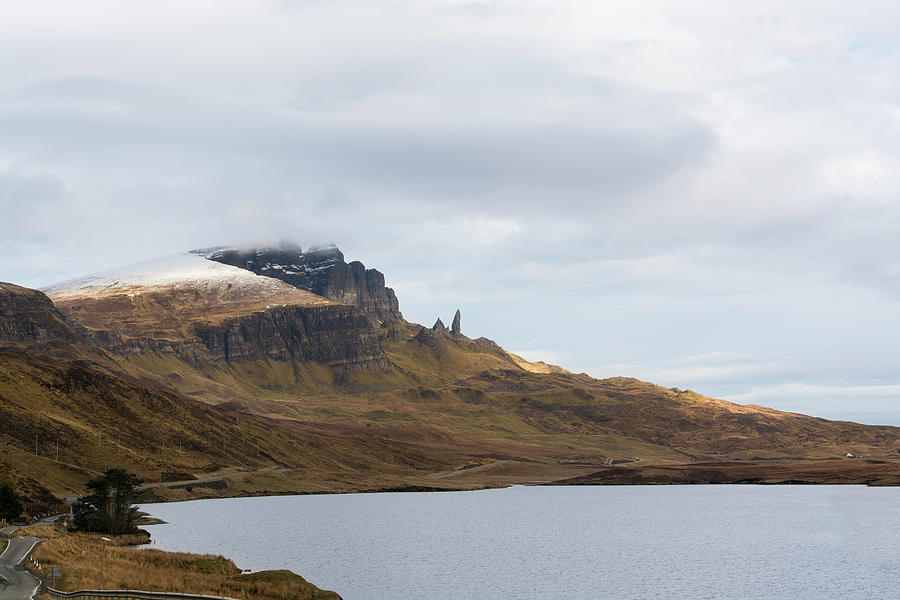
180 270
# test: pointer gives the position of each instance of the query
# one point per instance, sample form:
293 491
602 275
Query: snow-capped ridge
184 269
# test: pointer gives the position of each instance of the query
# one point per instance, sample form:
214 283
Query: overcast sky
699 194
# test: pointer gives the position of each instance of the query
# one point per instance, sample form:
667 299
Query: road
11 529
15 582
461 471
190 482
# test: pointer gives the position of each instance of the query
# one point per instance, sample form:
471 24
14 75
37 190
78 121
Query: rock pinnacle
454 328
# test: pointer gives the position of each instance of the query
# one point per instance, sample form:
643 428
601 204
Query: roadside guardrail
3 580
129 595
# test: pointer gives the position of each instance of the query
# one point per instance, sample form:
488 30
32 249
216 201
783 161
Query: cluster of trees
108 509
10 503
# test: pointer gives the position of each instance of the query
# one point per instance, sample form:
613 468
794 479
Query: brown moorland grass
169 313
445 402
832 472
79 556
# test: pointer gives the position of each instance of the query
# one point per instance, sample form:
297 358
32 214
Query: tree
108 509
10 504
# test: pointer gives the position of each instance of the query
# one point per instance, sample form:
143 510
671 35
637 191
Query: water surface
629 542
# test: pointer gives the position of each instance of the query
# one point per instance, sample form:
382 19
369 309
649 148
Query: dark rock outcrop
454 327
350 283
338 336
439 327
430 338
28 316
321 271
285 262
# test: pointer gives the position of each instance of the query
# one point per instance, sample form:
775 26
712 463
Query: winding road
189 482
15 582
469 470
11 529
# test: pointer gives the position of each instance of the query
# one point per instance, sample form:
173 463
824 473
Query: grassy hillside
62 423
72 406
473 390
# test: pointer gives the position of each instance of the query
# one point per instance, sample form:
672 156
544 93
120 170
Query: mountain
298 370
204 310
321 271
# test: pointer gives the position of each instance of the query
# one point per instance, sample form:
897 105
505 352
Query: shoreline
841 471
716 473
869 472
136 566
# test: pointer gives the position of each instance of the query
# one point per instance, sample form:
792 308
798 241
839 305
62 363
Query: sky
704 195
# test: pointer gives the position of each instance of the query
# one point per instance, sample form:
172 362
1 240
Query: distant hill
300 369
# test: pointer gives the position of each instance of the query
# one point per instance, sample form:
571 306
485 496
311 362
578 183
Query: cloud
805 390
867 175
617 184
24 190
699 370
546 355
878 404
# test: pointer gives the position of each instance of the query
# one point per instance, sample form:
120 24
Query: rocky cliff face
322 271
28 316
238 307
338 336
335 335
350 283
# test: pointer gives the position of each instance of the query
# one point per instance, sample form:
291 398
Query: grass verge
79 557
